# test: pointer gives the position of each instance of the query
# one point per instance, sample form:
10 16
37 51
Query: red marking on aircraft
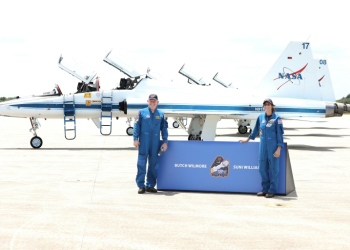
321 78
296 72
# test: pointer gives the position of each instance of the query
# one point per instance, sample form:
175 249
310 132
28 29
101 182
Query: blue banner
214 166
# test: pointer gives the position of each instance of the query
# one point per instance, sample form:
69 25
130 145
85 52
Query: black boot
141 190
151 190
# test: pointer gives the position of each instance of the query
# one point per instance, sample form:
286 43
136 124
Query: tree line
345 99
3 99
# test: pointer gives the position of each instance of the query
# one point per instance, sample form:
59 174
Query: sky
239 39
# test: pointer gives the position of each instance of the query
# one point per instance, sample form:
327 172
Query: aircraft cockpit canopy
81 71
192 79
133 74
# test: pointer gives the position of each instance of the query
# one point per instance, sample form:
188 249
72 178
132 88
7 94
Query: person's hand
165 146
243 141
136 144
278 152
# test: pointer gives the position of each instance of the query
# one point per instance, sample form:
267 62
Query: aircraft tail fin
324 80
296 74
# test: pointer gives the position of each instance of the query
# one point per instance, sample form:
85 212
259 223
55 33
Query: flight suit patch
158 117
137 118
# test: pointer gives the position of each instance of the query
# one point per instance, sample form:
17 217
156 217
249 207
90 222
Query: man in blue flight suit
148 125
270 127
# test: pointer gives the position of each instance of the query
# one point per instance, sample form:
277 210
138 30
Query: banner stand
218 167
290 186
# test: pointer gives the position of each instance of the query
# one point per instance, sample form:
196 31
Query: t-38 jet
295 82
317 68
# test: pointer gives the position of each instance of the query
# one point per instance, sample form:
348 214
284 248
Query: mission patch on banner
220 167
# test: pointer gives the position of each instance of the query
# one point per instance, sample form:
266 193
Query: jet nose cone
4 108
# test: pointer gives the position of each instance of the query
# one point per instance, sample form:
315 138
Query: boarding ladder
106 111
69 116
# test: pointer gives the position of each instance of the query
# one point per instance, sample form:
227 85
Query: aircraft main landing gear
242 129
194 138
175 124
129 131
36 142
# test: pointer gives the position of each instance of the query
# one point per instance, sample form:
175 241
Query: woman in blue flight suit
270 127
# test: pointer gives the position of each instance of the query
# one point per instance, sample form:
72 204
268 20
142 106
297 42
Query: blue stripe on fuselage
173 107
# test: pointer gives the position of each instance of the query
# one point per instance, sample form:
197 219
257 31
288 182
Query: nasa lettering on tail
296 75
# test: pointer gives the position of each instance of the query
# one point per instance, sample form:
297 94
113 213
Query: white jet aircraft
293 82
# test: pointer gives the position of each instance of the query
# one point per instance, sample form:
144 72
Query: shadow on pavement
312 148
312 128
165 193
235 135
320 135
131 136
286 135
72 149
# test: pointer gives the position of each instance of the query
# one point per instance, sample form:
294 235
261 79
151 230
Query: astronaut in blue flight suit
148 125
270 127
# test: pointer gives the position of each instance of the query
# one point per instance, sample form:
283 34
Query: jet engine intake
123 106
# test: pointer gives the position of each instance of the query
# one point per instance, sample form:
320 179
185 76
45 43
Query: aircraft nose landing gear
36 142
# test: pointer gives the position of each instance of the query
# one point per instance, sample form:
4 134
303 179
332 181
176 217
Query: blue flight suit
271 136
147 130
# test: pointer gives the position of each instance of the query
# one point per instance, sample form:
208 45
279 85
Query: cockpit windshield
56 91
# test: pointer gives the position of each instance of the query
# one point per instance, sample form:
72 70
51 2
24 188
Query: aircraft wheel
242 129
190 137
175 125
129 131
36 142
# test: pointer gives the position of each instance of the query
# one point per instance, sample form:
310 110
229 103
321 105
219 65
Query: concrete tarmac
82 194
